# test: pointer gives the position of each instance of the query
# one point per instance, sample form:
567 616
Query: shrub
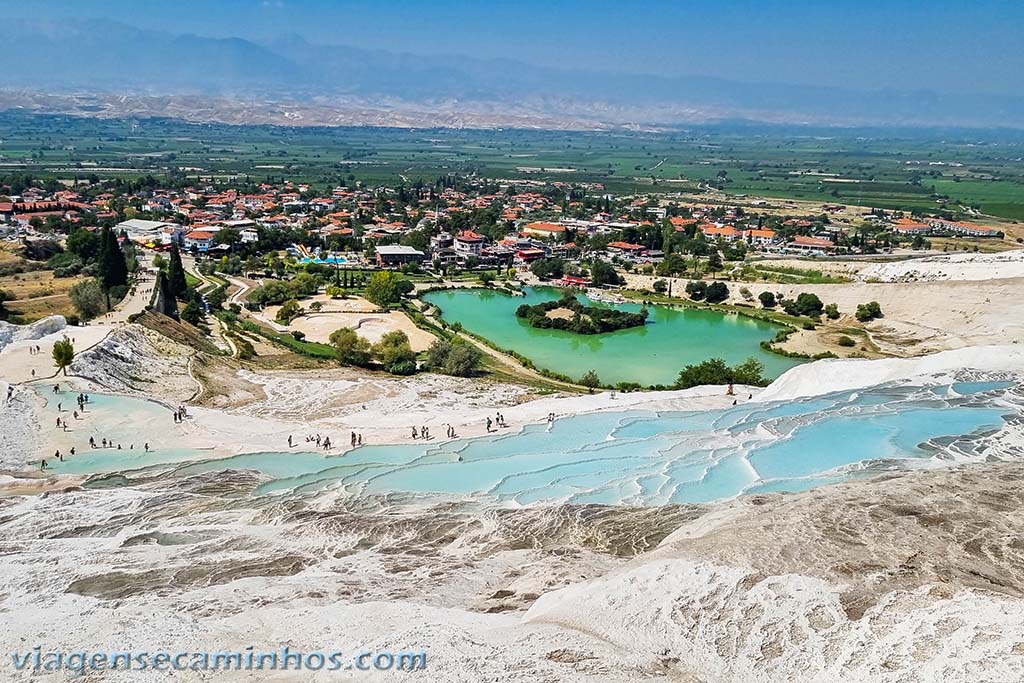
832 312
846 341
660 286
767 299
590 379
868 311
746 294
298 335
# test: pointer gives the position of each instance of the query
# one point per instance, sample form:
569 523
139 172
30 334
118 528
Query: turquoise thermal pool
626 457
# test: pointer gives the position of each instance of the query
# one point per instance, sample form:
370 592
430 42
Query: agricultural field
966 171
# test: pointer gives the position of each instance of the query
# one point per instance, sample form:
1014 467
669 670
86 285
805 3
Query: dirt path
513 367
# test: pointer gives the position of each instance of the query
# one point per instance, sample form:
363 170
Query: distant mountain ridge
105 57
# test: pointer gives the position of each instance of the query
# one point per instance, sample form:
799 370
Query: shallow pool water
628 457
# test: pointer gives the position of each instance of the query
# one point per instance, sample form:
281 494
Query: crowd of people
82 400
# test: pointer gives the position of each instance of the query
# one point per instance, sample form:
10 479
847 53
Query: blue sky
906 44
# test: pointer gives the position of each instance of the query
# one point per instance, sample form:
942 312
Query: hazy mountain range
109 68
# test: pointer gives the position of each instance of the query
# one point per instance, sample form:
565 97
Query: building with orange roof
200 240
626 248
759 236
542 229
725 232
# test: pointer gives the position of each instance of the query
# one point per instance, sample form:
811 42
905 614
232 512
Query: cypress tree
169 306
112 268
176 273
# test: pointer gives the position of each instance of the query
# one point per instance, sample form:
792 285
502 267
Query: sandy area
355 312
920 317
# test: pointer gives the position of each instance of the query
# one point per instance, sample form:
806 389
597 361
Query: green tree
548 268
590 379
350 348
63 354
88 298
215 299
289 311
395 354
192 313
715 371
696 289
832 312
453 357
112 270
716 292
84 244
383 288
602 273
176 273
767 299
714 262
809 304
170 304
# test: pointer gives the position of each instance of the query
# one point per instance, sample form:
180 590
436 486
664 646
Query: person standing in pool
42 465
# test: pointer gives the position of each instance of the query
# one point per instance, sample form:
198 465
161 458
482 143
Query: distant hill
104 57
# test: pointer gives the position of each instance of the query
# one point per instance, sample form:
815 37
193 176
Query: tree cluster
715 371
584 320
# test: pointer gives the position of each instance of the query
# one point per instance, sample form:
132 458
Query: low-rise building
542 229
626 248
391 255
151 232
200 240
468 243
810 245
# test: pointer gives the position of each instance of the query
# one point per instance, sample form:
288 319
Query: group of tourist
321 441
82 399
499 420
180 414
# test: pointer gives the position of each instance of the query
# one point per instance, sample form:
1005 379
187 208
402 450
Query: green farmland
912 170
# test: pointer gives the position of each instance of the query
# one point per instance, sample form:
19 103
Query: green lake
653 354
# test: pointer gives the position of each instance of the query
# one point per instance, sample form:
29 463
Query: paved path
17 363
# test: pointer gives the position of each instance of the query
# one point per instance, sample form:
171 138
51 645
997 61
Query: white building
155 232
